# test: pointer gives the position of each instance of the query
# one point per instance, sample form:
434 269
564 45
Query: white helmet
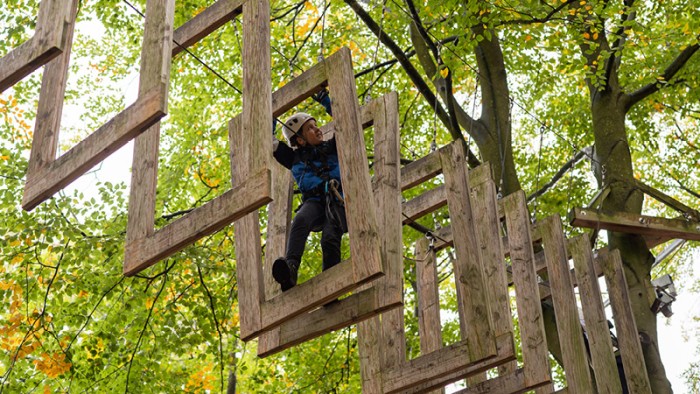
294 123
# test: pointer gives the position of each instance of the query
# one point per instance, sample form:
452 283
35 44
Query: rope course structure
495 243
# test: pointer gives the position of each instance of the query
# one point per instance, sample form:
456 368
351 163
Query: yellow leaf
444 72
595 36
586 35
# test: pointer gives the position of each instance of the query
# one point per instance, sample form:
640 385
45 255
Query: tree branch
411 71
566 167
613 61
676 65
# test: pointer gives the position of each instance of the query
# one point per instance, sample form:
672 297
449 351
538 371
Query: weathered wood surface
355 308
205 23
511 383
488 229
357 189
627 334
421 170
574 355
374 300
48 119
429 328
279 217
243 199
437 369
425 203
597 331
370 354
533 339
626 222
472 298
54 30
300 88
45 175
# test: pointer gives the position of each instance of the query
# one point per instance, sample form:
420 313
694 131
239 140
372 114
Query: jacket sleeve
284 155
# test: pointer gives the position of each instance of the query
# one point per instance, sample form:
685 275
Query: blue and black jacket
312 166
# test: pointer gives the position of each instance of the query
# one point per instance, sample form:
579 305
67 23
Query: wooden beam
54 32
437 369
204 220
534 348
488 229
476 322
46 175
348 311
421 170
512 383
597 331
205 23
574 354
626 222
429 328
626 327
357 188
429 201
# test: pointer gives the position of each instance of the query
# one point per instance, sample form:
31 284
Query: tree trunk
613 168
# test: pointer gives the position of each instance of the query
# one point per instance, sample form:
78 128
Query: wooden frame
47 174
655 230
54 29
368 301
257 313
382 344
144 245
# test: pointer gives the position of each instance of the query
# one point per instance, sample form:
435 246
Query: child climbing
316 170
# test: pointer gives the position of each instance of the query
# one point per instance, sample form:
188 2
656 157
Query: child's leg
311 215
330 240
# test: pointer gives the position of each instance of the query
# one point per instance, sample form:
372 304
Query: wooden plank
353 309
627 334
472 299
626 222
481 174
428 202
357 188
279 217
429 328
249 276
574 355
436 369
257 90
205 23
48 120
597 331
511 383
44 182
488 228
54 31
421 170
324 287
204 220
144 179
533 339
300 88
47 176
370 354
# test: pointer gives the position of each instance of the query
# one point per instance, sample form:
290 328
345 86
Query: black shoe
285 273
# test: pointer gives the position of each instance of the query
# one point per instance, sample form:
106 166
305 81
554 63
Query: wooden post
475 314
575 358
45 176
362 229
627 334
597 331
533 340
488 226
54 30
429 328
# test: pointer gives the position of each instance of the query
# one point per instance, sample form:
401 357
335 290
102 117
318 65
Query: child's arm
283 153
